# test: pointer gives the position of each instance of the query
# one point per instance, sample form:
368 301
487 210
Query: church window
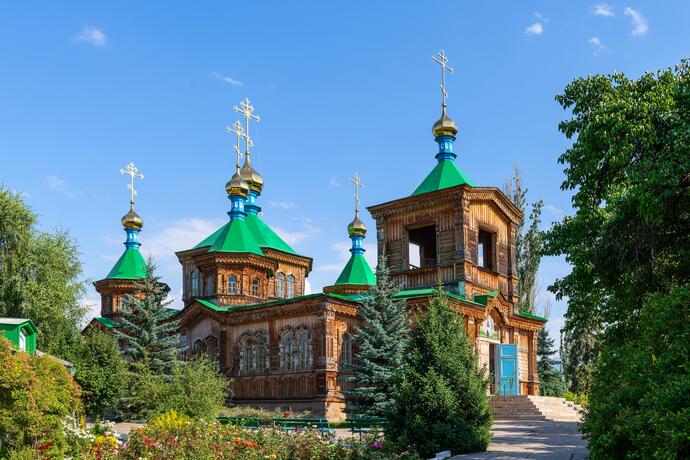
303 350
485 249
198 348
290 286
209 285
246 355
422 247
256 288
195 283
287 349
261 354
280 285
346 349
232 284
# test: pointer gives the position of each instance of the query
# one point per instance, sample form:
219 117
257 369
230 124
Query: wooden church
244 287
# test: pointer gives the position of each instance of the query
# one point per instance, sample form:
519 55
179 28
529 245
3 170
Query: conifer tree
382 340
551 379
152 338
441 401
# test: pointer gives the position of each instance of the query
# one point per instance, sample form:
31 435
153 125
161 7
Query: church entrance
508 369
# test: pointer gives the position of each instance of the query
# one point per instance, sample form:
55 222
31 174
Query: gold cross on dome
442 60
358 184
237 130
247 109
132 172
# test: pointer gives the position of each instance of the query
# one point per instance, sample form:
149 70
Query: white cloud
638 21
55 183
603 9
534 29
282 204
108 257
596 45
333 182
92 300
91 35
307 287
551 209
229 80
294 237
177 236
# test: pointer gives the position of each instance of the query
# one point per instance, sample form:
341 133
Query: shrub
441 401
265 416
36 394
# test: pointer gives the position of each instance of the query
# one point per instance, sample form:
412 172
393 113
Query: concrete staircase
535 408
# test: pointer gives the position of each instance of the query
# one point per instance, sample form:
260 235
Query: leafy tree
195 389
529 242
628 245
551 379
39 276
36 394
381 340
441 398
100 371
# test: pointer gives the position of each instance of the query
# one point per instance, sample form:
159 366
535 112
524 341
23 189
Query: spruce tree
441 401
551 379
381 340
152 338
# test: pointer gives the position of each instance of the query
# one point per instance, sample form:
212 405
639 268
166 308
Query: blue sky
87 87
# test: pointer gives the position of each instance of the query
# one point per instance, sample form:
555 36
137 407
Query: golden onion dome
132 219
444 126
357 227
251 176
237 185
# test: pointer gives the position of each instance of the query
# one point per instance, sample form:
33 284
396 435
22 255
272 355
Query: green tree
151 336
39 276
529 242
628 245
195 389
147 326
381 340
441 398
551 379
101 372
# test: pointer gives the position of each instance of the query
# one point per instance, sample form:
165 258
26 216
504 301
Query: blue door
508 369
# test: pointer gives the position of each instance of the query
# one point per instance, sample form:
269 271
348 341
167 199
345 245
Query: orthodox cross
237 129
246 108
132 172
358 184
442 60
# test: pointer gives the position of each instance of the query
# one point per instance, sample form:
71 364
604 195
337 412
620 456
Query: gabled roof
249 235
525 314
269 303
235 236
107 322
357 271
26 322
131 265
444 175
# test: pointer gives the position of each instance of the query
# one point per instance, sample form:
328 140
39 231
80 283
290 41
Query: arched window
346 350
287 348
198 348
209 285
195 283
256 288
246 355
232 284
261 354
303 351
290 286
280 285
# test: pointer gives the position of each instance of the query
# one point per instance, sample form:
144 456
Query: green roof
131 265
484 298
530 315
265 236
215 307
235 236
250 235
107 322
444 175
357 271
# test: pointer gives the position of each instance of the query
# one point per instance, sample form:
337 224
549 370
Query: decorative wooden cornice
114 284
414 202
497 197
346 289
280 256
215 259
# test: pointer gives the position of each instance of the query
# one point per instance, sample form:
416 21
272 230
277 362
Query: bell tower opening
485 249
422 247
